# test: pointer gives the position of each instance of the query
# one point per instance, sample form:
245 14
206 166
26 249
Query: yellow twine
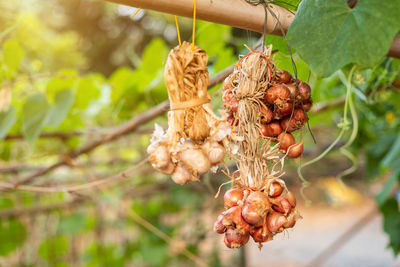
194 22
137 11
177 30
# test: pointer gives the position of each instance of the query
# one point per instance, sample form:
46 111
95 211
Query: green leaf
35 114
7 120
392 154
13 54
391 223
12 235
53 248
87 91
387 189
59 111
329 35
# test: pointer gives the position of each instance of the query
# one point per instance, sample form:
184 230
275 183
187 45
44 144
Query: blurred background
74 71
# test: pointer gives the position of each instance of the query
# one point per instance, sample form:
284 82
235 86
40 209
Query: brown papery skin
286 140
232 197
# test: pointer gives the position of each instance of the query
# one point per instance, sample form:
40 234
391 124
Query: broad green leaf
53 248
329 35
13 54
87 91
34 116
12 235
385 193
7 120
391 223
278 43
59 111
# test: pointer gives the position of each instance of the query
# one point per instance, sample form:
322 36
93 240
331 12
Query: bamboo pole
235 13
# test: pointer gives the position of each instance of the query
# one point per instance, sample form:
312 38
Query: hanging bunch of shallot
263 105
192 145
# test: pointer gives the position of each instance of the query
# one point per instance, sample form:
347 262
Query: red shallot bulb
275 189
275 221
218 226
307 105
230 100
295 150
283 109
281 205
255 208
232 197
266 114
283 76
291 220
271 129
261 234
233 218
291 198
277 93
233 239
286 140
304 91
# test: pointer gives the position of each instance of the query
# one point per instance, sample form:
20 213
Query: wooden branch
60 135
69 189
126 128
235 13
17 212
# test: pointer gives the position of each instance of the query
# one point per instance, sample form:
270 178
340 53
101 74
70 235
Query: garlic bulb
195 160
214 151
169 169
181 175
159 157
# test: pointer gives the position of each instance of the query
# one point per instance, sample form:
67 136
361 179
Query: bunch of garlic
186 160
